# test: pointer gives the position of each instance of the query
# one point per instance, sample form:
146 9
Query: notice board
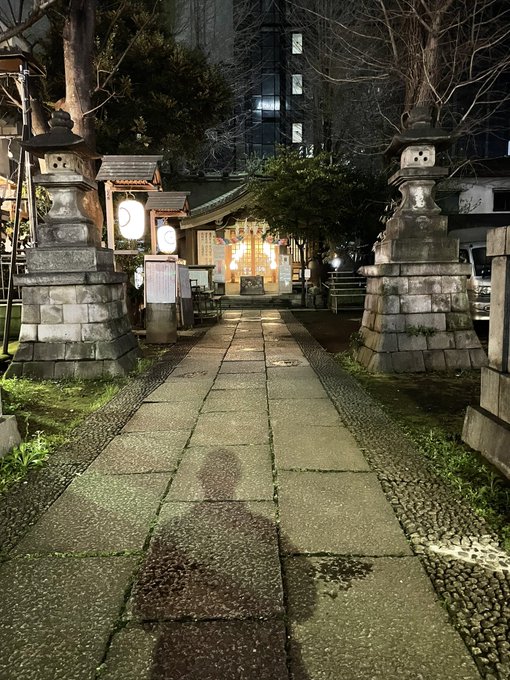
160 280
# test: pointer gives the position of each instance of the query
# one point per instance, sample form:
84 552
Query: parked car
473 250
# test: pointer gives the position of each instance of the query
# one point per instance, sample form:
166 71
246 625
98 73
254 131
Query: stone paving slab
378 619
232 428
341 513
247 344
243 367
214 650
295 388
211 560
247 333
184 389
107 513
244 356
226 473
317 448
56 615
190 368
239 381
286 361
291 373
237 400
162 416
136 452
303 411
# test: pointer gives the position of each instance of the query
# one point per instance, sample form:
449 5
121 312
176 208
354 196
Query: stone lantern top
59 138
419 131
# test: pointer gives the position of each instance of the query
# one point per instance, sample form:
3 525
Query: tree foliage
316 200
146 93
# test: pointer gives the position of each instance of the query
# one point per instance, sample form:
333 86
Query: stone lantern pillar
74 317
416 315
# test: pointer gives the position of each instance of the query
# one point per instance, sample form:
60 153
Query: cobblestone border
26 501
461 554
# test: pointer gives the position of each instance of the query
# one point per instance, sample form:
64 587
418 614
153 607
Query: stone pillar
416 315
487 427
74 316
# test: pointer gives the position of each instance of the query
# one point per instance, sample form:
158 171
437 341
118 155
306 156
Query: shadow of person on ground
212 582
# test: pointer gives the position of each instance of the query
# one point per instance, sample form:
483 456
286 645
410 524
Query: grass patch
431 407
46 412
25 457
53 407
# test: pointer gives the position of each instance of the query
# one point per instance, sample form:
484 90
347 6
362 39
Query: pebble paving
245 511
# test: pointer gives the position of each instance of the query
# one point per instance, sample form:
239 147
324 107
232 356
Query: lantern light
273 264
167 239
131 219
336 262
233 265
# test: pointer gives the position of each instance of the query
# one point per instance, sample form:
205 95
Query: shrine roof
121 168
168 200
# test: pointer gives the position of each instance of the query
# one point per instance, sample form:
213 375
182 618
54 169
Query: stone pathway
232 530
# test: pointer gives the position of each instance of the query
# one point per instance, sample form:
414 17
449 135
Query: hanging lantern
233 265
131 219
167 239
273 264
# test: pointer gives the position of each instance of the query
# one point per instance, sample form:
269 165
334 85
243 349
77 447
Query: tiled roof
220 201
167 200
128 167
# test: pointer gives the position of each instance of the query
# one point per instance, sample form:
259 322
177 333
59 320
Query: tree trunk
78 37
79 30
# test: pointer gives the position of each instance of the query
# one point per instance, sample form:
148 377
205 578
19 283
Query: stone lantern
416 314
74 317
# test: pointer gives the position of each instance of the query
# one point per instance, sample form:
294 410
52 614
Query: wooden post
152 217
110 219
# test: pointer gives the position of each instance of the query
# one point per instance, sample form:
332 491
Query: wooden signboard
185 297
252 285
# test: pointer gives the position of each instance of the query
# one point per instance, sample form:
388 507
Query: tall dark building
262 57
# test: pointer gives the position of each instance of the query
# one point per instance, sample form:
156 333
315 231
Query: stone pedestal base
74 325
161 323
417 319
489 435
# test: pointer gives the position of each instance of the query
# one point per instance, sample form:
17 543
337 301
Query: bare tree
451 54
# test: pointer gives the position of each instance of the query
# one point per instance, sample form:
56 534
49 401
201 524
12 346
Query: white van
473 250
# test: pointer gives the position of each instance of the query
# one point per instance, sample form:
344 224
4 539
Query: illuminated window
297 133
297 43
297 83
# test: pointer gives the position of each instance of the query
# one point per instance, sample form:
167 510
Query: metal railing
5 264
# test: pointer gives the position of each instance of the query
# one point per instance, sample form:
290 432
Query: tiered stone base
417 319
74 325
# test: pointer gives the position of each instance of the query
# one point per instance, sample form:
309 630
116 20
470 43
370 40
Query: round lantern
131 219
167 239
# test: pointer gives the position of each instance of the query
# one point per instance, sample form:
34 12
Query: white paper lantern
167 239
131 219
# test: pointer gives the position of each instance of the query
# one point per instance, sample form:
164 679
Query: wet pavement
239 524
